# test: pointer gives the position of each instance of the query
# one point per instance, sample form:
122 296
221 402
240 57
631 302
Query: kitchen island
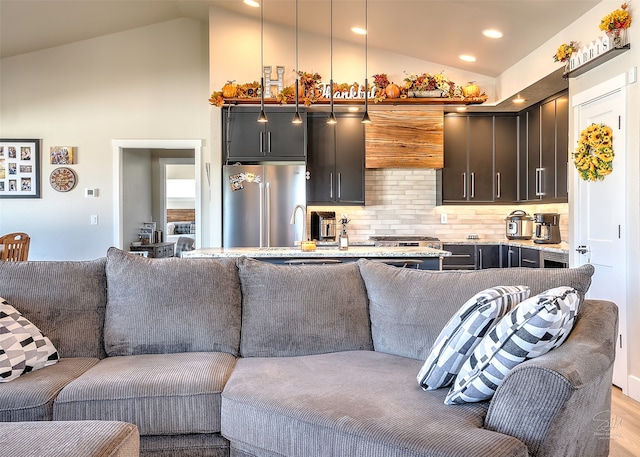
411 256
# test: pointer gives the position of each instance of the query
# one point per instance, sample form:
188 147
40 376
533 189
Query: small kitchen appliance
519 225
547 228
323 225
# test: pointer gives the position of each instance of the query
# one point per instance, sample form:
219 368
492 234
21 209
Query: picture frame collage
19 168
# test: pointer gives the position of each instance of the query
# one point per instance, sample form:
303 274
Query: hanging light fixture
296 117
365 118
263 116
332 117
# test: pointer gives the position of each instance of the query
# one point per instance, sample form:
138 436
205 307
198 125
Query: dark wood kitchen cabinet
471 256
335 159
544 150
246 139
480 159
515 256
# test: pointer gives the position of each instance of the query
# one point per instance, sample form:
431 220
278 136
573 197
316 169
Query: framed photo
19 168
61 155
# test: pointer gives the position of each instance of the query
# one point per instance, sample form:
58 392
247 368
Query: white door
600 228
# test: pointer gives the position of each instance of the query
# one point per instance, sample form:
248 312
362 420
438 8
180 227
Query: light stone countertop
321 251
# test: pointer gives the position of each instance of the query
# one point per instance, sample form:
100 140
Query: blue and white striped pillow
533 328
463 333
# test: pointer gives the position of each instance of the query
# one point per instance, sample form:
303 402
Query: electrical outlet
443 218
94 219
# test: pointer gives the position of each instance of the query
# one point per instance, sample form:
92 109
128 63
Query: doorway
599 233
145 156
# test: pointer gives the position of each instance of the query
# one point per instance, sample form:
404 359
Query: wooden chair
14 247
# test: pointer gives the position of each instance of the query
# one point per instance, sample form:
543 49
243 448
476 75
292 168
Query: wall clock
63 179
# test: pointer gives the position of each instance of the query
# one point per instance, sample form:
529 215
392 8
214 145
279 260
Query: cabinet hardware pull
480 258
473 185
261 143
464 184
331 185
339 185
499 185
269 142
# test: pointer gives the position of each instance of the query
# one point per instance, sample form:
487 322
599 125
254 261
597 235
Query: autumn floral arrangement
564 51
594 155
616 20
309 91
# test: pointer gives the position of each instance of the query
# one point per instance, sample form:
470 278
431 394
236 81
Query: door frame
615 84
119 146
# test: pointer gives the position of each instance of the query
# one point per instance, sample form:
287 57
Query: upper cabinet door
506 159
350 151
244 138
454 173
480 153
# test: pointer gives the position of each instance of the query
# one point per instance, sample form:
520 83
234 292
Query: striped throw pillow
533 328
464 331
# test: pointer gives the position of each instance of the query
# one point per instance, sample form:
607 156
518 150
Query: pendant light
296 117
332 117
263 116
365 118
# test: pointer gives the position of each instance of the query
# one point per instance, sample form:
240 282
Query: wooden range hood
405 139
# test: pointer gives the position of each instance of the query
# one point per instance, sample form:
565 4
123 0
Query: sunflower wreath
593 156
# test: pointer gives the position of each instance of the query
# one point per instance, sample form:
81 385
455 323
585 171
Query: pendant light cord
262 117
365 118
332 117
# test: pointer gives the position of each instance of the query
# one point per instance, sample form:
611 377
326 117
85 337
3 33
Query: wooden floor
624 425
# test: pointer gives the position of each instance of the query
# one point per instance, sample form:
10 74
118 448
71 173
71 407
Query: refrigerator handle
267 219
261 222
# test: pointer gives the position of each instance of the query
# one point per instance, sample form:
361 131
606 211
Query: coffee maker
547 228
323 225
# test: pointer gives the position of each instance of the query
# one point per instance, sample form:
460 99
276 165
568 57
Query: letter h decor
268 82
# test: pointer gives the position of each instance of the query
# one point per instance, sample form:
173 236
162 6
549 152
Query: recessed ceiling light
467 58
518 99
353 108
461 108
492 33
359 30
252 3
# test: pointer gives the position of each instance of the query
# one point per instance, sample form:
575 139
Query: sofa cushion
65 300
410 307
70 439
23 348
354 403
297 310
158 306
31 396
531 329
162 394
464 331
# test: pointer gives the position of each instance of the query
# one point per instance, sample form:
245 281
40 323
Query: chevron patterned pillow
23 348
533 328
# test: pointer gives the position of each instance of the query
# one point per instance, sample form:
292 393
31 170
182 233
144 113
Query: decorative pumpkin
229 90
392 91
471 90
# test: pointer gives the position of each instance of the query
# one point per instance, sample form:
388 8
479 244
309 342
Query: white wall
150 82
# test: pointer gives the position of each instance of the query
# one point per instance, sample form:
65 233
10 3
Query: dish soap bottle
343 241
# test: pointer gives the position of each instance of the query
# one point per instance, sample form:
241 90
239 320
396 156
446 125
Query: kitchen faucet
304 219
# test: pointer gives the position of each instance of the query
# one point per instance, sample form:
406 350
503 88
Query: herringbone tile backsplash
403 202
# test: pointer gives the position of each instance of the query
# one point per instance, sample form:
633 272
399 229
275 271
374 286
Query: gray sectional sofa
239 357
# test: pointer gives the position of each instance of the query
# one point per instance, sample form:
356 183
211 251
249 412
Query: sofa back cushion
160 306
410 307
299 310
65 300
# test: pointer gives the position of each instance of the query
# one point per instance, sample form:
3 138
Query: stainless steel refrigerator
258 201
